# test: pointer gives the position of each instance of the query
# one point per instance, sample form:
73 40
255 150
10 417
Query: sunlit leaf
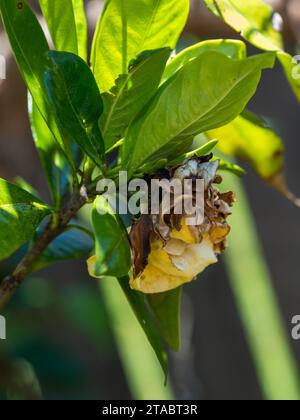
131 93
67 25
292 71
244 138
73 244
20 215
206 93
30 47
231 48
127 28
54 164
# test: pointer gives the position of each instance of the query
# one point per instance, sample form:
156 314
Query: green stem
258 305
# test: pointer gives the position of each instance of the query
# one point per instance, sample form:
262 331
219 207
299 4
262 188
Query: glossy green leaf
30 47
229 47
127 28
54 164
139 307
20 215
206 93
258 23
113 256
76 101
253 19
166 308
244 138
131 93
73 244
291 68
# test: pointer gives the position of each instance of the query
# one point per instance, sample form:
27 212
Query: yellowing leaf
246 139
252 18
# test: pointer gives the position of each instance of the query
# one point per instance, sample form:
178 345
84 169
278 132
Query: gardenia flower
167 252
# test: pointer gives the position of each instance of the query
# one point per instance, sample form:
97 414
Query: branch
11 283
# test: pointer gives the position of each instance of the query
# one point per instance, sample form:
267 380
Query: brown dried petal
140 236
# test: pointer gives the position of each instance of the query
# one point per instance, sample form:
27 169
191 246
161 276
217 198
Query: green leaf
258 23
60 19
125 29
113 257
253 19
138 305
131 93
81 28
246 139
76 101
206 93
67 25
74 243
229 47
291 68
166 308
54 164
30 46
231 167
20 215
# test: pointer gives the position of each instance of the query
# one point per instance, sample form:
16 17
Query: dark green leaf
20 215
127 28
73 244
76 101
30 46
54 163
166 308
113 257
138 305
205 93
131 93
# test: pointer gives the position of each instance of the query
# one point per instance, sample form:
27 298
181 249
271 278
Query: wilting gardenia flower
167 251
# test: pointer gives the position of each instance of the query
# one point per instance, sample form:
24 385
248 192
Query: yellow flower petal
185 234
153 280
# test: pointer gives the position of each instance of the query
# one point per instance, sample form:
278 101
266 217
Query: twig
10 284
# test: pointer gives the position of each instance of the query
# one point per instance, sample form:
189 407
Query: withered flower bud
167 251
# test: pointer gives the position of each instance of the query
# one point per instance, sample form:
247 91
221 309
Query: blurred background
61 343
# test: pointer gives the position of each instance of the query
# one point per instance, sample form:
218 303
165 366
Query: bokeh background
61 341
